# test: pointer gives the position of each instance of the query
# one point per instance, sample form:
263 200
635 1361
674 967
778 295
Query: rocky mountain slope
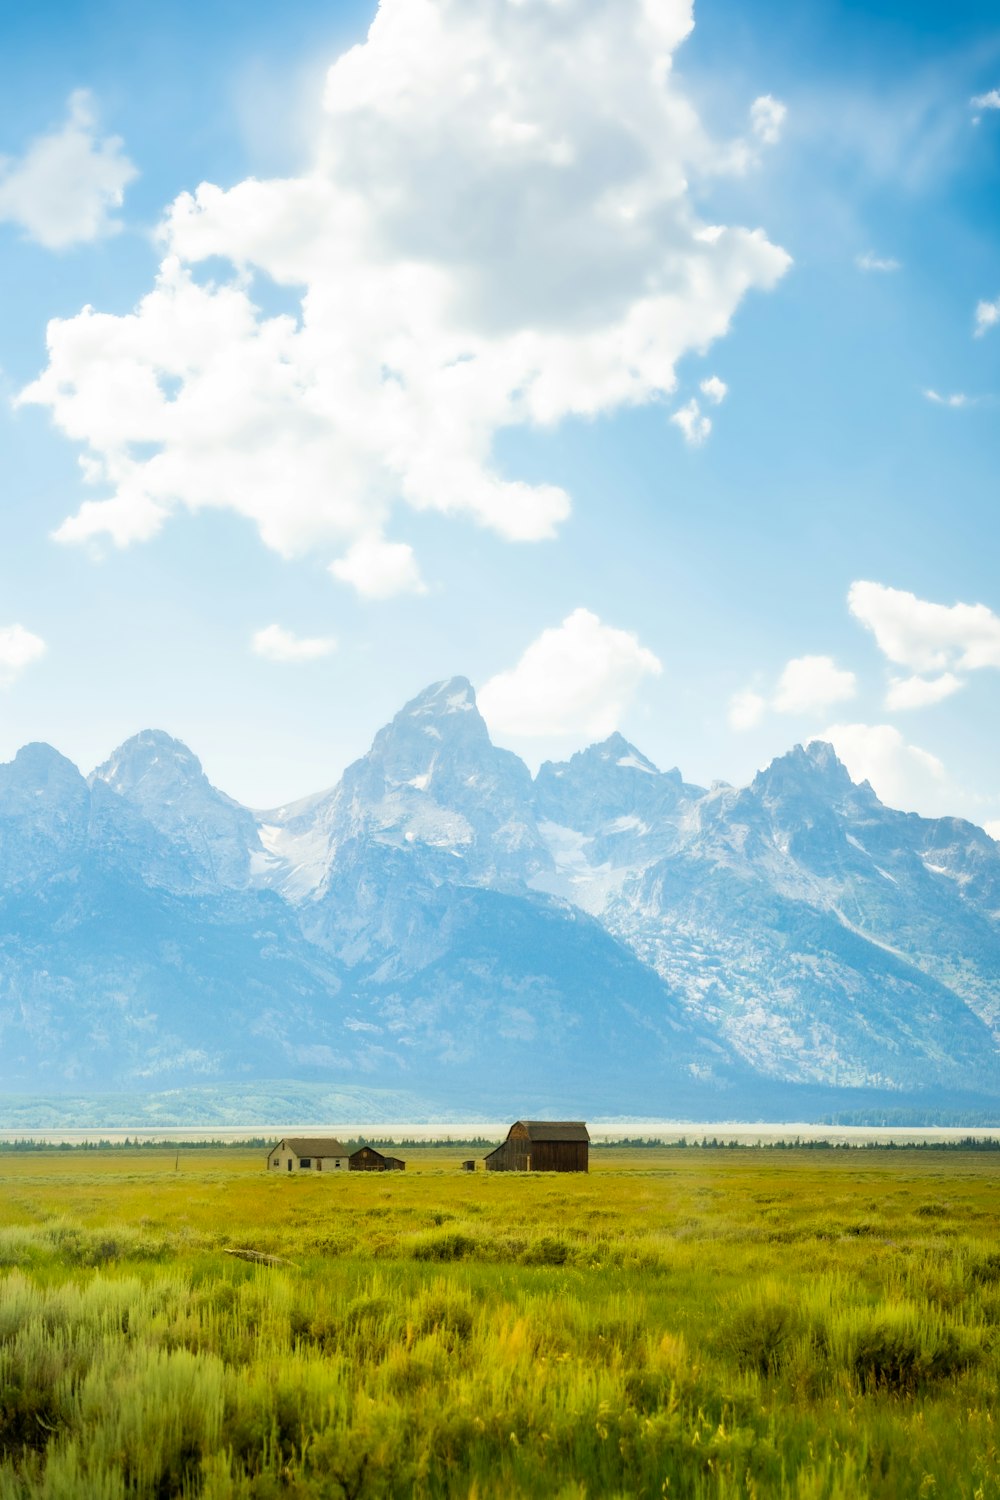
441 922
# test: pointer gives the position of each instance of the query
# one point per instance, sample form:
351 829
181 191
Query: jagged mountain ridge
441 918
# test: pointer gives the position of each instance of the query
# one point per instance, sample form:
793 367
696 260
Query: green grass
816 1325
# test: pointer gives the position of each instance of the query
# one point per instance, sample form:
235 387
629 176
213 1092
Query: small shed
318 1153
542 1146
367 1159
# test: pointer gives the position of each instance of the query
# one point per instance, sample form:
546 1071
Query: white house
308 1154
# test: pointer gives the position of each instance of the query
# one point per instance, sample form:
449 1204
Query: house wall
280 1157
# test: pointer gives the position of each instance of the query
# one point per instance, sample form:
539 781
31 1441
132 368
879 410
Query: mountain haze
440 921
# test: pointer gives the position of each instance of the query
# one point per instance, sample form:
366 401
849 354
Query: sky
640 363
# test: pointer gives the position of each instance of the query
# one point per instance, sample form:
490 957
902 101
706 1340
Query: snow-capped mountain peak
164 781
455 695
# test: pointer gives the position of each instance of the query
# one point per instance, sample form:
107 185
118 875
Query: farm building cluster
531 1146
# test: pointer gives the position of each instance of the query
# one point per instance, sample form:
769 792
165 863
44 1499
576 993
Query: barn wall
559 1156
367 1159
512 1156
518 1154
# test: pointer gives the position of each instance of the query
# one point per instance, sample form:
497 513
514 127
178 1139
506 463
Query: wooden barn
308 1154
367 1159
542 1146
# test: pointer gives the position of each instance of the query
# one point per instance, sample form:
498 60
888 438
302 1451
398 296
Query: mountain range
602 938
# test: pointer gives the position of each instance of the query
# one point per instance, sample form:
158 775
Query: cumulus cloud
578 678
692 422
498 229
957 399
19 649
987 316
275 643
987 101
902 775
378 569
993 829
812 682
62 191
714 389
926 637
806 685
869 261
746 710
767 119
921 692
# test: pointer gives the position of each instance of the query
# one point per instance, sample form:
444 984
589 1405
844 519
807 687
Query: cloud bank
498 229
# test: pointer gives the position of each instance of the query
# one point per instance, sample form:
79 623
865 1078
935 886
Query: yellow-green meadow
681 1322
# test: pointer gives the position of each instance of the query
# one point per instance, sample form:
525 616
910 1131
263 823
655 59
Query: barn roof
314 1145
555 1130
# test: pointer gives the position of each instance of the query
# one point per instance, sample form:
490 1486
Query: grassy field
793 1323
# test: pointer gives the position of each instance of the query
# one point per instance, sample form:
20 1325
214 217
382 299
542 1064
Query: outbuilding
367 1159
308 1154
542 1146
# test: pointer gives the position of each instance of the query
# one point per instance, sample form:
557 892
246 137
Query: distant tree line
966 1143
706 1143
247 1143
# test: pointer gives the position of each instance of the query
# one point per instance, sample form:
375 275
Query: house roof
313 1145
555 1130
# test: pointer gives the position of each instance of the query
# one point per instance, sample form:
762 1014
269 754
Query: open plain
812 1323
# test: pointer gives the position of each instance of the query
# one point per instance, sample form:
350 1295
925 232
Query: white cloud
869 261
746 710
767 119
379 569
19 649
989 100
806 685
812 682
993 829
275 643
694 425
714 389
902 775
926 637
578 678
957 399
987 316
921 692
62 190
498 229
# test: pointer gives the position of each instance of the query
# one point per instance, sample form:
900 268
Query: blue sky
650 380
